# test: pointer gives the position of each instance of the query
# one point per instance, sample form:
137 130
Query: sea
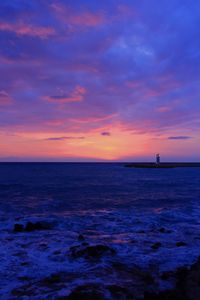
150 218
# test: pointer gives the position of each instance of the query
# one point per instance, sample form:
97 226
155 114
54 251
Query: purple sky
99 80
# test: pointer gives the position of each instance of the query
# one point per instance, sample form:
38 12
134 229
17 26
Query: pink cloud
94 119
85 18
5 99
76 95
27 29
164 109
161 86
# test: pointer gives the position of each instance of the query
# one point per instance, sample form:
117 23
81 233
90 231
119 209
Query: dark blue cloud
181 137
65 138
106 133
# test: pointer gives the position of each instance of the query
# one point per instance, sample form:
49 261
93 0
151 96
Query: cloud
128 64
5 99
22 29
76 95
180 137
106 133
62 138
84 18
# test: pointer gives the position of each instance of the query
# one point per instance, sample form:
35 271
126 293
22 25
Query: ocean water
124 208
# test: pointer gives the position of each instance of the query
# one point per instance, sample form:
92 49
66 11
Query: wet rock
85 244
119 292
156 246
86 292
181 244
91 252
30 226
23 291
164 230
187 285
147 278
18 227
24 278
24 263
20 253
133 241
81 238
52 279
165 295
57 252
166 275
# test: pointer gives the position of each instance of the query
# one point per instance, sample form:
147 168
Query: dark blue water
72 186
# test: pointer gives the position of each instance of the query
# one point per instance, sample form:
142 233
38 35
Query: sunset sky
106 80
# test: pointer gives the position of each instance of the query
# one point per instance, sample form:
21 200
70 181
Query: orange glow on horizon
116 144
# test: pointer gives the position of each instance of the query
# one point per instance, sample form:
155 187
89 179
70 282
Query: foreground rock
86 292
91 251
30 226
187 285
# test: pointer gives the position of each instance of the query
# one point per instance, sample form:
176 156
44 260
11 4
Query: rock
180 244
23 291
86 292
24 278
156 246
18 227
24 263
147 278
187 285
163 230
30 226
53 279
166 275
81 238
165 295
85 244
119 292
91 252
57 252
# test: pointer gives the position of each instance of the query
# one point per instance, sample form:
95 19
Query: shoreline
84 264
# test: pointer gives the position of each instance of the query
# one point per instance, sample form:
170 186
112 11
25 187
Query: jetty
162 165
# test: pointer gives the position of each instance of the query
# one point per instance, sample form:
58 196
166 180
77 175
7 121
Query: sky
106 80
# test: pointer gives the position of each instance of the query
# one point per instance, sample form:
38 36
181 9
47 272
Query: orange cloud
27 29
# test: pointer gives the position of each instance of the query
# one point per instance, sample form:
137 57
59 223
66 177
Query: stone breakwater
167 165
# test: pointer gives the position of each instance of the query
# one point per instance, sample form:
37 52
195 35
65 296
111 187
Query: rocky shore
114 279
